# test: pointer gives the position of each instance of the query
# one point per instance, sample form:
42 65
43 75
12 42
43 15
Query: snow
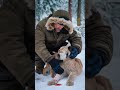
79 84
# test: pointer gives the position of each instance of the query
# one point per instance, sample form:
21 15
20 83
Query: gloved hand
74 52
55 64
94 62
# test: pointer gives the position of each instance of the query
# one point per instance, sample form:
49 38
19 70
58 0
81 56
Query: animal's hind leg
46 69
52 72
71 78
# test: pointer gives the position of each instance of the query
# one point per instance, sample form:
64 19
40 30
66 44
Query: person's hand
73 52
55 64
94 62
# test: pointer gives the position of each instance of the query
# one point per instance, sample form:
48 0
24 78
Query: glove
55 64
94 62
74 52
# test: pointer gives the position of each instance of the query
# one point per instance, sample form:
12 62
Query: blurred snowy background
43 9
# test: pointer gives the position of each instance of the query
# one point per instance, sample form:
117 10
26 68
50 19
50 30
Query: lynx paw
53 82
70 83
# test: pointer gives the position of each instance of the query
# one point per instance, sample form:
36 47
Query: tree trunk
78 12
70 9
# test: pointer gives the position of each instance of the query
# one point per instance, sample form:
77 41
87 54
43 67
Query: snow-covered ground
41 81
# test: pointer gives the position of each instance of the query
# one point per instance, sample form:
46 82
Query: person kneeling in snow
51 33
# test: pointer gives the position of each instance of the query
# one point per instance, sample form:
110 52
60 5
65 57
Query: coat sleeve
99 45
40 47
99 36
13 52
75 40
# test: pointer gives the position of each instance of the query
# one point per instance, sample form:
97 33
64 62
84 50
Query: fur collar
67 23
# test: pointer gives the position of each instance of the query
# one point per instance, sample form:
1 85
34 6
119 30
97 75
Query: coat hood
60 17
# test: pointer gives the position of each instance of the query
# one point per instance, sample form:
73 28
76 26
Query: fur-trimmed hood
58 20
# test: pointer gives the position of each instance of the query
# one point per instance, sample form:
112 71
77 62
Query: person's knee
39 65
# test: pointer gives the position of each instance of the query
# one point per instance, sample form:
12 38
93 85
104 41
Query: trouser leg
39 64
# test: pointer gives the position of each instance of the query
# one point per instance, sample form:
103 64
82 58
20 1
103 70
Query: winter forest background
43 9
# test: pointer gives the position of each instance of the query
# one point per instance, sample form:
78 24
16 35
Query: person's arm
75 40
40 47
99 45
76 44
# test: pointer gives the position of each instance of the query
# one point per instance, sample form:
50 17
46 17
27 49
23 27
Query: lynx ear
53 52
65 43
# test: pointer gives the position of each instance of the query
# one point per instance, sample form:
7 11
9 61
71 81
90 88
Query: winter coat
99 41
47 40
99 36
16 41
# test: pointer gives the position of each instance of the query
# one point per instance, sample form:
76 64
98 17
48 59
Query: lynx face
63 53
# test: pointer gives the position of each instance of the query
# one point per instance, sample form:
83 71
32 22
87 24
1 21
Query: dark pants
39 64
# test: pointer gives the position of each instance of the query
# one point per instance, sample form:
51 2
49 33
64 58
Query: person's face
58 27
